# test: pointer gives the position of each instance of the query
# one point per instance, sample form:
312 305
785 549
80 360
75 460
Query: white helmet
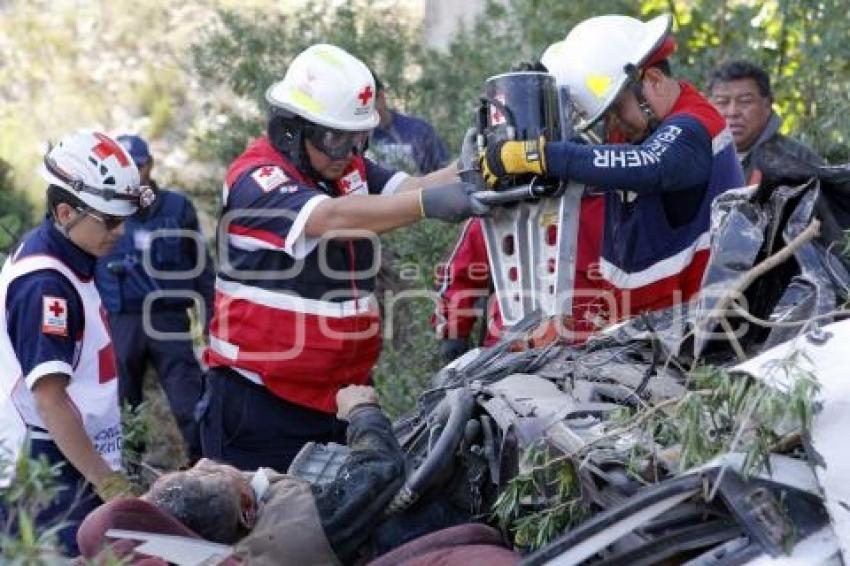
97 170
594 60
328 86
553 59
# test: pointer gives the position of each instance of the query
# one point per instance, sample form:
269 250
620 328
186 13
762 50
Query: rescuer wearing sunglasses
58 387
295 317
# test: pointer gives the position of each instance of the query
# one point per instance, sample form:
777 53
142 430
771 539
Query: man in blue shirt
403 142
178 275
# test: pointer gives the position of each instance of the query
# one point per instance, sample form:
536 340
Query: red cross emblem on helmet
365 95
107 146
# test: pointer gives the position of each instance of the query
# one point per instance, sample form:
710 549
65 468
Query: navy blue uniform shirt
24 302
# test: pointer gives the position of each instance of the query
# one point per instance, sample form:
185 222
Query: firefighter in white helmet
669 154
295 318
59 387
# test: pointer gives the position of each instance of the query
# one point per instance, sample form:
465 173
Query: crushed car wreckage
674 450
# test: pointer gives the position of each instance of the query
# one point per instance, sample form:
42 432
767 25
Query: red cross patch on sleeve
352 184
54 317
269 177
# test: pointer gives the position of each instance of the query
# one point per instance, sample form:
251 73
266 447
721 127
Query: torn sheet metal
790 472
811 293
595 543
748 227
536 408
738 227
825 355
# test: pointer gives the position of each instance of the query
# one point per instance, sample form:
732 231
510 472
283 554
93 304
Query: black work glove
452 348
451 203
506 158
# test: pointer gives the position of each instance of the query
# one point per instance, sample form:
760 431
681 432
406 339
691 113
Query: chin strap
636 86
286 135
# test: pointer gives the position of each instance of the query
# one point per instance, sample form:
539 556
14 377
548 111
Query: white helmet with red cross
328 86
97 170
595 59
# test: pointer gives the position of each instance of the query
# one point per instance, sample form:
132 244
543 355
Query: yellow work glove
506 158
113 486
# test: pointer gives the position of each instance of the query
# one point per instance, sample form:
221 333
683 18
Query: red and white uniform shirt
293 313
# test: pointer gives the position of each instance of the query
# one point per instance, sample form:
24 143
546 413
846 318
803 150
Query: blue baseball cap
137 147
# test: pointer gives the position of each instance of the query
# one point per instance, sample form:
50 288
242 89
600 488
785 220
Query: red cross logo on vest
266 171
107 147
56 309
365 95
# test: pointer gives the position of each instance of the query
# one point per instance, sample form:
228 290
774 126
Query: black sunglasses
109 221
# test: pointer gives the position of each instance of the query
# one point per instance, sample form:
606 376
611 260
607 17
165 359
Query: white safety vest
95 402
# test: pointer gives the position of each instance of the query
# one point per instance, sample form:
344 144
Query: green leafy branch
542 501
31 488
137 435
725 411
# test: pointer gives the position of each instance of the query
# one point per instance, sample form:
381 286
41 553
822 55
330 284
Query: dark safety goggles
141 196
337 144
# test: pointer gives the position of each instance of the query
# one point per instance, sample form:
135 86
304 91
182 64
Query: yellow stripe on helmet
306 101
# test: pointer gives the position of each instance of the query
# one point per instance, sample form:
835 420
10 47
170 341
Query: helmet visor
337 144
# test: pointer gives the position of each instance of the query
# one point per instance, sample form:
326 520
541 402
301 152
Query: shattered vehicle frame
625 414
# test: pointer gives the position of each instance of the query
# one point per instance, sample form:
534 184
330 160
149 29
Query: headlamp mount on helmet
141 196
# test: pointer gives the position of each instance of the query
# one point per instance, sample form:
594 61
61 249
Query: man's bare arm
444 176
377 213
63 422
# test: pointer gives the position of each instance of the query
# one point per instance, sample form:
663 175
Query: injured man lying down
331 510
266 515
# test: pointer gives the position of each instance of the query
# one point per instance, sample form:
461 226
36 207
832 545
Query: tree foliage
28 492
82 66
15 210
